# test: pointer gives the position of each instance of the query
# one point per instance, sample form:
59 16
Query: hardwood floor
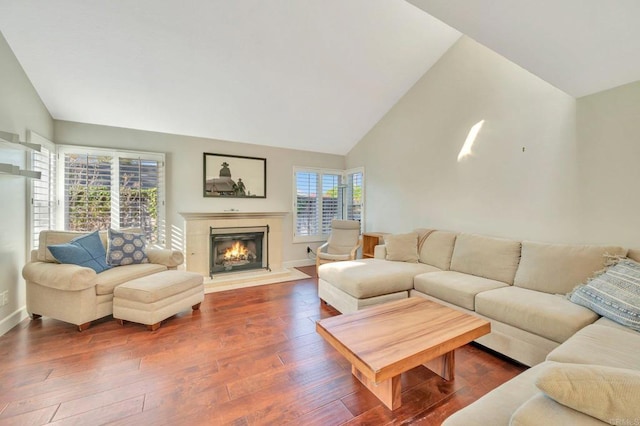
248 356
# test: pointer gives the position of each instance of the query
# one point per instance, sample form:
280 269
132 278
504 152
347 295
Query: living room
550 162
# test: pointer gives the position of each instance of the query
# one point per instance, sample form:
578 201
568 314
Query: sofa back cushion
488 257
47 238
558 268
634 254
402 247
436 249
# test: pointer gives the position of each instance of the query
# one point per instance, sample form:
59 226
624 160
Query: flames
236 252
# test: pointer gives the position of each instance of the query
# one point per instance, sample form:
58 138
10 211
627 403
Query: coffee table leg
444 366
387 391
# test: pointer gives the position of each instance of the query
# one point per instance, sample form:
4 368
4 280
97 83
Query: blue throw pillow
86 250
614 294
126 248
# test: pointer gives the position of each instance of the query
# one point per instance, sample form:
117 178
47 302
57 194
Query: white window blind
318 200
306 209
43 199
330 201
87 191
117 189
355 195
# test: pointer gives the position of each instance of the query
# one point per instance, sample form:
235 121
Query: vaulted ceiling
313 75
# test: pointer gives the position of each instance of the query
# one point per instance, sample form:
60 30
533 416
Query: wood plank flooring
248 357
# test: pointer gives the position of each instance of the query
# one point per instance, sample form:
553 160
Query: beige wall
414 178
20 110
184 174
609 159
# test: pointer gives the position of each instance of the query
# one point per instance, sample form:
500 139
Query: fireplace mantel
230 215
197 230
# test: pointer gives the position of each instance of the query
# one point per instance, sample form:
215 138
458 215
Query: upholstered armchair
343 242
77 294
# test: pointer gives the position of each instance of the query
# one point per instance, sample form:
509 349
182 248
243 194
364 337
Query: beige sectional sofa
76 294
520 287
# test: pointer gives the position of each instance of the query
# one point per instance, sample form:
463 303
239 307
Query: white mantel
198 224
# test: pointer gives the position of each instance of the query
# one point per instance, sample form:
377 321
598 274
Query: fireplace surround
235 249
197 229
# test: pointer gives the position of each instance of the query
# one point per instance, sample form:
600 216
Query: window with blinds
319 198
43 190
307 206
87 191
102 189
355 193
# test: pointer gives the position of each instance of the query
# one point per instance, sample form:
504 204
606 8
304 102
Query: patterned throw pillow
86 250
126 248
614 294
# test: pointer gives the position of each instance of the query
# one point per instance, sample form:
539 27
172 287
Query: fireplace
238 249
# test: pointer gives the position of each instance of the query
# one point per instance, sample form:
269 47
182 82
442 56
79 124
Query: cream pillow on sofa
607 393
402 247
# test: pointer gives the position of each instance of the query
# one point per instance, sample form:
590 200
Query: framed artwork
234 176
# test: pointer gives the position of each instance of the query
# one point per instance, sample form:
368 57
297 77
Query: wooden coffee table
386 340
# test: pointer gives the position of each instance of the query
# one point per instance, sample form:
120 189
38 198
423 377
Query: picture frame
234 176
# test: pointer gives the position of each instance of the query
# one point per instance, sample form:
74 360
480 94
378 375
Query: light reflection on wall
471 138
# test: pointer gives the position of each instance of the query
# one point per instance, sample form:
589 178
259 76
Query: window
355 200
321 196
103 188
42 191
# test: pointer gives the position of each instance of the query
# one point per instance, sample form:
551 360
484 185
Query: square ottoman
151 299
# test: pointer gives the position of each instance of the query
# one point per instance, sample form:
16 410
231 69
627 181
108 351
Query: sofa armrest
380 252
166 257
59 275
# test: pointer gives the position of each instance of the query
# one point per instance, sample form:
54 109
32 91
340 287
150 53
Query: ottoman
149 300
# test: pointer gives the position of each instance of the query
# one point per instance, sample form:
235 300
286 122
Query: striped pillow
614 294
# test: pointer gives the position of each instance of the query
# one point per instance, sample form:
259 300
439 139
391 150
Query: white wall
184 173
20 110
609 159
410 156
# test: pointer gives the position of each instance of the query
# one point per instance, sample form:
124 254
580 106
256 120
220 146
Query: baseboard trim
296 263
12 320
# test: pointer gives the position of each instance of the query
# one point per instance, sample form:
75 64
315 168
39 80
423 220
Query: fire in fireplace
238 249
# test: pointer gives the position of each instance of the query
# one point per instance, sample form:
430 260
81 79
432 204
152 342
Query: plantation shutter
87 191
307 217
331 203
118 189
139 184
43 200
354 195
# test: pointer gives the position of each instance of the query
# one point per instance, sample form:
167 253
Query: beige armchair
343 242
76 294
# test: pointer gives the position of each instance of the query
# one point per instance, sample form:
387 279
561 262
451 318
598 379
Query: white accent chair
343 242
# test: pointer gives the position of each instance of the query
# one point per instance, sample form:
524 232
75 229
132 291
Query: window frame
322 236
116 155
32 234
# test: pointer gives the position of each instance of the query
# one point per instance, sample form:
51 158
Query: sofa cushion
558 268
106 281
606 393
159 286
541 410
372 277
126 248
437 248
634 254
614 294
86 250
547 315
488 257
402 247
47 238
497 406
600 345
454 287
